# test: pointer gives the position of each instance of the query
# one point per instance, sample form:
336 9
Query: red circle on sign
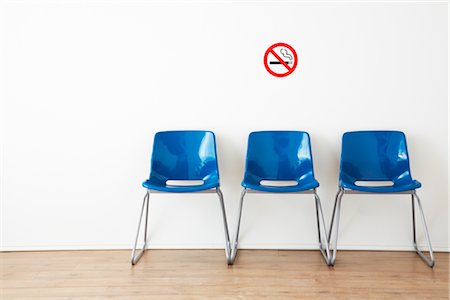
289 69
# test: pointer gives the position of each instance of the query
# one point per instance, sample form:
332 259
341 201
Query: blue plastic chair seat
409 186
183 155
376 156
279 155
158 186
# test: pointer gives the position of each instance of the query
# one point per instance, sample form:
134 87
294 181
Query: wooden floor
200 274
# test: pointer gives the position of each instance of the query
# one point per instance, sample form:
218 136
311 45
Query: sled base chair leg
335 218
430 261
323 242
136 254
319 216
225 228
236 236
136 257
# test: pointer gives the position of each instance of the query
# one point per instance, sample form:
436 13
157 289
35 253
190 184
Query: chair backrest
374 156
278 155
184 155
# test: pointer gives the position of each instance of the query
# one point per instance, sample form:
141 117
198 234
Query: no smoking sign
280 60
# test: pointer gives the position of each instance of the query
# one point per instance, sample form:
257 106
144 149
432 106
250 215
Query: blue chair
377 157
182 162
274 157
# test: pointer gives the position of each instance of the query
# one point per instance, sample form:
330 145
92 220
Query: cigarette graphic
279 62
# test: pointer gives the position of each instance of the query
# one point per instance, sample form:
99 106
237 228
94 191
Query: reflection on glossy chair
182 162
375 156
274 156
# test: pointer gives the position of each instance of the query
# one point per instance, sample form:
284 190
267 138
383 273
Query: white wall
86 85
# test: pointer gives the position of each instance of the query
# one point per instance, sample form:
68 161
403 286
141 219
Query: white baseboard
437 248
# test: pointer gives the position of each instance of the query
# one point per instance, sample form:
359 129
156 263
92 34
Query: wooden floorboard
203 274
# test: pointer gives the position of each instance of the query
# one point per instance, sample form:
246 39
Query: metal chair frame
325 252
135 257
430 261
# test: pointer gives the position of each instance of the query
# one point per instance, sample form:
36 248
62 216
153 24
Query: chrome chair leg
136 257
428 260
236 236
336 215
225 225
325 252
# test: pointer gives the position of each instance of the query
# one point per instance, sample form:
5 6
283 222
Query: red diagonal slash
280 59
